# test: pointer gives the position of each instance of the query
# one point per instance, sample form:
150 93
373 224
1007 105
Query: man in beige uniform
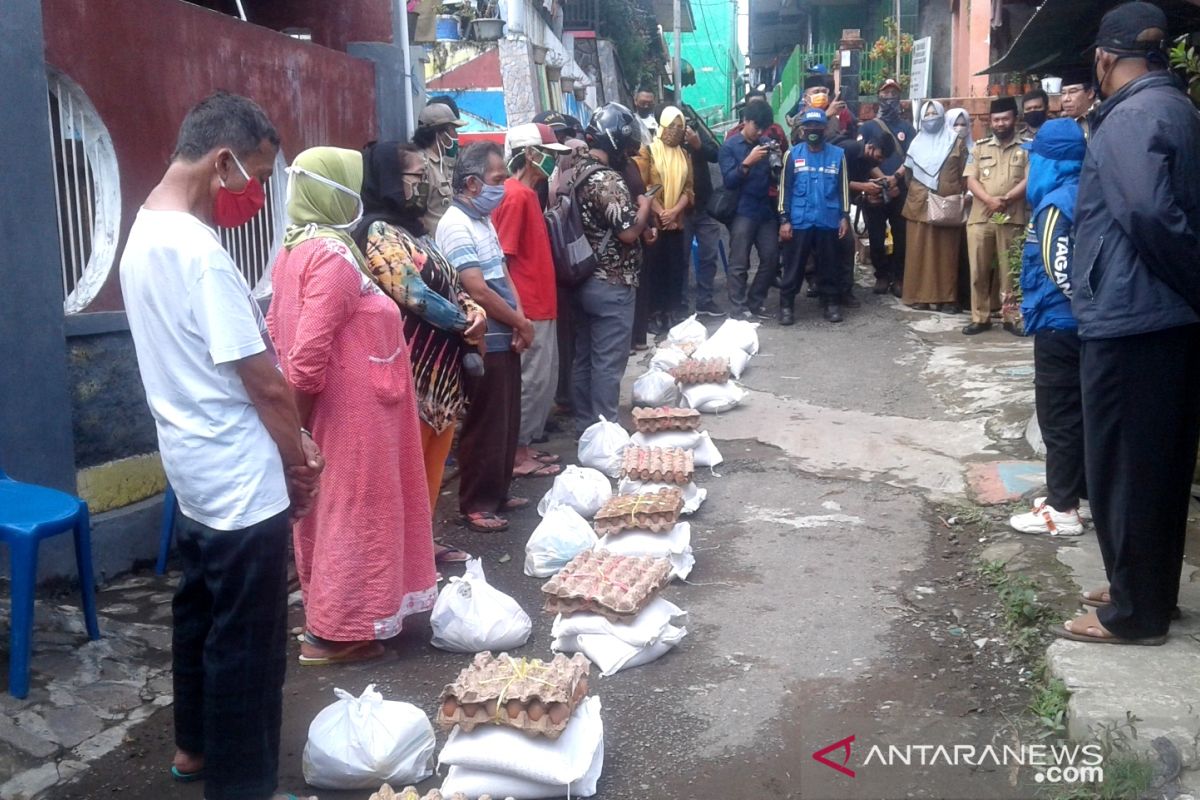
996 177
1079 95
437 136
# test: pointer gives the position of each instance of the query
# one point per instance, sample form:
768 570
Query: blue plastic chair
28 514
167 531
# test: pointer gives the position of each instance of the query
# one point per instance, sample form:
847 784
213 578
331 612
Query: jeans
763 235
707 232
888 268
229 652
603 330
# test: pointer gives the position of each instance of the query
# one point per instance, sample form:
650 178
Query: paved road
828 600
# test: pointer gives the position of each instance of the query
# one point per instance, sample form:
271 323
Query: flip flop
1084 600
361 651
449 554
471 521
515 503
179 776
544 457
1065 633
544 471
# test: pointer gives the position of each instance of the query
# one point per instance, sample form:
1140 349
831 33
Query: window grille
87 191
253 246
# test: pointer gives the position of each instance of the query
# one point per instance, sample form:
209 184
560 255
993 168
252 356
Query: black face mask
814 137
889 107
1035 119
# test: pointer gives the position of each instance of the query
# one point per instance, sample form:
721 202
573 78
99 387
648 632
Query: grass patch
1049 705
1023 613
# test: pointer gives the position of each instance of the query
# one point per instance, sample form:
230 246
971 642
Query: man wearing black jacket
1136 274
703 148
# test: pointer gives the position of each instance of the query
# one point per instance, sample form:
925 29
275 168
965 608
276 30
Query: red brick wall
144 63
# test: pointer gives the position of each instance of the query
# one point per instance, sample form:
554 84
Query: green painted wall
712 51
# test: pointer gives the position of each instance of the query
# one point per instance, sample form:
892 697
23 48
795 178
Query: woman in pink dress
365 553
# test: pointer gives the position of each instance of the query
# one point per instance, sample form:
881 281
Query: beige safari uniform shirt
438 171
999 167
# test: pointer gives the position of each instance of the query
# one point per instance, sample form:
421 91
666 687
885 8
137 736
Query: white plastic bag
738 359
471 615
476 782
583 489
602 446
704 452
690 331
615 646
675 546
560 536
360 742
656 389
507 751
693 495
713 398
667 358
737 333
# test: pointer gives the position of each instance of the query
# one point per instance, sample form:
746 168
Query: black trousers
1060 415
487 443
887 267
565 330
641 302
822 245
229 653
667 264
1141 422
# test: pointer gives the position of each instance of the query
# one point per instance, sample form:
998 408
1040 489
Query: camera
774 153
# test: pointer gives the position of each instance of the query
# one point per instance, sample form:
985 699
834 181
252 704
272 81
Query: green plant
631 26
1014 256
1185 61
1049 705
1023 612
1128 774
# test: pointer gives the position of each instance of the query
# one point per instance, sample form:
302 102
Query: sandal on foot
1099 635
179 776
543 471
358 651
1087 599
544 457
477 522
449 554
515 503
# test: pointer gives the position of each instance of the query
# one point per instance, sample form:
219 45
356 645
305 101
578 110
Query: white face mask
294 171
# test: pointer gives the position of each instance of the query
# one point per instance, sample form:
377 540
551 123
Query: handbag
945 212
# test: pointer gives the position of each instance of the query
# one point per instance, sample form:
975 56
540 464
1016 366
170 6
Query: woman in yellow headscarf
365 553
666 163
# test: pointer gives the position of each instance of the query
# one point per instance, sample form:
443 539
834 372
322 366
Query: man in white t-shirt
231 445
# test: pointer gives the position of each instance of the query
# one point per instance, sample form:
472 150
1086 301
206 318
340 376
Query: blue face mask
488 199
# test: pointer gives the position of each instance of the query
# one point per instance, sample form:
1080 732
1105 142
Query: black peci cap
1074 76
1002 104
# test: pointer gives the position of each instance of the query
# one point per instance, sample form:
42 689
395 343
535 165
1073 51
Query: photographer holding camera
751 164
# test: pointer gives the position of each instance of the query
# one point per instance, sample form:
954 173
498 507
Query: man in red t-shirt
530 151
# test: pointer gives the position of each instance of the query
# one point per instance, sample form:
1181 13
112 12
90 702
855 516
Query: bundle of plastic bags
560 536
675 546
505 762
471 615
693 495
691 332
602 447
667 358
704 452
358 742
615 646
583 489
738 359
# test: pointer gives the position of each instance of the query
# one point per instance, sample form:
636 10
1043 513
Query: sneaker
761 312
709 309
1045 519
787 316
1085 508
833 313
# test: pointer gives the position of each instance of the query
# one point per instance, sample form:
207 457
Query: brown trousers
987 247
487 445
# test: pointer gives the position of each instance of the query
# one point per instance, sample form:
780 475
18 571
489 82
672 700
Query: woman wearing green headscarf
365 553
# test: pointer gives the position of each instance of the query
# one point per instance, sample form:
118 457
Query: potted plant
539 53
567 84
994 89
487 25
581 90
1015 84
449 20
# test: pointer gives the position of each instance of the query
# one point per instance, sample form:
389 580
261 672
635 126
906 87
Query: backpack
574 258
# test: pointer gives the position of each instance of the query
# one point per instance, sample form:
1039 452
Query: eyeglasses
1073 90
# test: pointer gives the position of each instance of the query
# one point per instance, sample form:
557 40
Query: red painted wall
144 63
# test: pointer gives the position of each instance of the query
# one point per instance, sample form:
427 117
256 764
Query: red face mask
232 209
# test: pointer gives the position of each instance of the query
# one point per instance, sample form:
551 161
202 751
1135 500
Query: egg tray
615 586
658 464
654 511
702 370
411 793
534 696
665 418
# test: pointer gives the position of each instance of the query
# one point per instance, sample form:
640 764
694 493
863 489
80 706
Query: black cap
1003 104
1131 28
573 123
552 118
1073 76
818 79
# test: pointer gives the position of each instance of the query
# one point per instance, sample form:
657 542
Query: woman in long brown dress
935 164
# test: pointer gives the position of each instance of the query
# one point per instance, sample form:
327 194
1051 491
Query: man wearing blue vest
814 200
